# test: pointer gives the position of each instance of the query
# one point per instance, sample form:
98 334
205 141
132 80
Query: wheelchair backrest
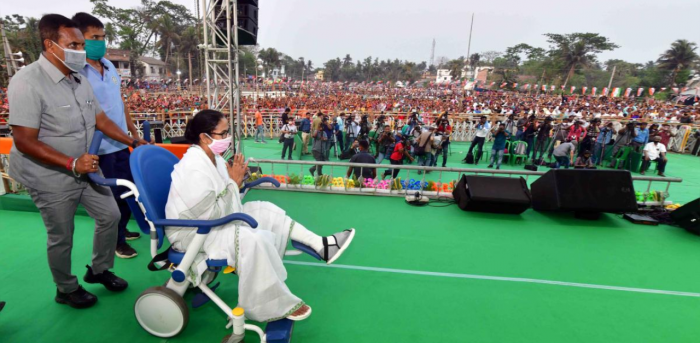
151 167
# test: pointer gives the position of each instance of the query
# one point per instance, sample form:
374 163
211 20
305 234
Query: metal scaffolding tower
220 46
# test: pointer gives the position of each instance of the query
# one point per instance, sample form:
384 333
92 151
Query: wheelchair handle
146 131
96 178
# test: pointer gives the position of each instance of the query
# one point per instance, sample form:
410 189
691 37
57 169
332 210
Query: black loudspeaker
586 192
247 13
492 194
688 216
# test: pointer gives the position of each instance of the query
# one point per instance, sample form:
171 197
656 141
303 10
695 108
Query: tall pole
8 54
611 78
469 47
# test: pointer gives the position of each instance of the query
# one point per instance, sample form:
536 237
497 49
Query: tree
474 60
577 50
455 67
488 56
188 45
136 27
680 56
169 36
332 69
110 34
270 58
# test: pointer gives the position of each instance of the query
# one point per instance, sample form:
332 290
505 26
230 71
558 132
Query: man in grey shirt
563 153
54 114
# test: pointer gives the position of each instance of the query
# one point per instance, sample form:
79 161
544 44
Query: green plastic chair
507 155
623 154
515 156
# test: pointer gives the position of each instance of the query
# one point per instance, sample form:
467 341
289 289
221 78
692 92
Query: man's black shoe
106 278
79 298
125 251
130 236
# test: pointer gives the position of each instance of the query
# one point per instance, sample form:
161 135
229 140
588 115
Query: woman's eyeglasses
222 133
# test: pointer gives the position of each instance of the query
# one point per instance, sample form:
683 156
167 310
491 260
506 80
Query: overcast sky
404 29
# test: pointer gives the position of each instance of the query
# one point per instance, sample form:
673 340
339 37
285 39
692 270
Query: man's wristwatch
134 143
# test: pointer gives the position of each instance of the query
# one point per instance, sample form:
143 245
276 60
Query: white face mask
74 59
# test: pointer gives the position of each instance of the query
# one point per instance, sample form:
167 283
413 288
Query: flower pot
353 190
338 188
308 187
383 191
430 193
368 190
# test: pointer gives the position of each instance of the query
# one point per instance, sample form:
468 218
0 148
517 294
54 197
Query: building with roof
120 59
154 68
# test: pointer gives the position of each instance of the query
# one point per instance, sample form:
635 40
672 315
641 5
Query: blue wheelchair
161 310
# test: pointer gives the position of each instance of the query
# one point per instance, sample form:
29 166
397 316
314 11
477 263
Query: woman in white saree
204 186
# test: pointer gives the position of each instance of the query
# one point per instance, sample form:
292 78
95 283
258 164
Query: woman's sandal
300 314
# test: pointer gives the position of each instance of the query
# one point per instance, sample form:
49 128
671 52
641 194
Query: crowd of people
568 140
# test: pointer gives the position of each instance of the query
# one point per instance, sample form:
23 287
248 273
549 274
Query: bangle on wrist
70 163
73 168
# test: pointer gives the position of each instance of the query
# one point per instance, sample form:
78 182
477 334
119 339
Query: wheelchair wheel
161 312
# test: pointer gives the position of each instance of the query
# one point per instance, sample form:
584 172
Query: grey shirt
63 109
564 149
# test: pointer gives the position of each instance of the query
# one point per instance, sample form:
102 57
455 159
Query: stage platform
412 275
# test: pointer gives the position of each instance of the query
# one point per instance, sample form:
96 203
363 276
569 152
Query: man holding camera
500 135
384 144
322 140
603 140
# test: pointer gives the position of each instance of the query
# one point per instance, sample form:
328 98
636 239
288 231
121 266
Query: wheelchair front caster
161 312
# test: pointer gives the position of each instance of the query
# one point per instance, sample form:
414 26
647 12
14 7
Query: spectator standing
500 135
305 128
425 143
259 127
641 136
289 130
482 130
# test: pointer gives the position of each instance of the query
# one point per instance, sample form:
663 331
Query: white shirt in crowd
292 130
654 150
483 130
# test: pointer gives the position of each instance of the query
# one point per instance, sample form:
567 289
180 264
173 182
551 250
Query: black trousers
478 141
288 143
116 166
393 172
660 164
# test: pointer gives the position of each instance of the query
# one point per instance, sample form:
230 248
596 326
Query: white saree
201 190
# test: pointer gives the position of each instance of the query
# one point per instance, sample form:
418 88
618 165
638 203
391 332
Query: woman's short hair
204 122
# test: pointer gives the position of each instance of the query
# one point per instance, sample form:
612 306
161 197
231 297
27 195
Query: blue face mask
95 49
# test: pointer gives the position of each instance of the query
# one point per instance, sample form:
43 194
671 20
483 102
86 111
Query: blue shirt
305 125
108 93
605 134
499 142
642 136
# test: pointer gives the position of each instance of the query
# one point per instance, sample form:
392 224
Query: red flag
628 91
651 91
663 89
544 88
640 91
573 88
583 90
504 84
675 90
492 83
593 91
562 87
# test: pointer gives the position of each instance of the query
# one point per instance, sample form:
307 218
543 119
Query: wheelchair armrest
94 148
260 181
204 226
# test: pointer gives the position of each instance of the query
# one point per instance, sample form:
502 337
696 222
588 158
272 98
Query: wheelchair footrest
279 331
307 249
201 298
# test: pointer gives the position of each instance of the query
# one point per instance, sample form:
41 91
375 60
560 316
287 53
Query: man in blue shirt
305 129
642 136
499 144
114 156
603 140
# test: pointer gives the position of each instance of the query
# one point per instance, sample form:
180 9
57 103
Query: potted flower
294 181
430 188
338 184
368 186
353 185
